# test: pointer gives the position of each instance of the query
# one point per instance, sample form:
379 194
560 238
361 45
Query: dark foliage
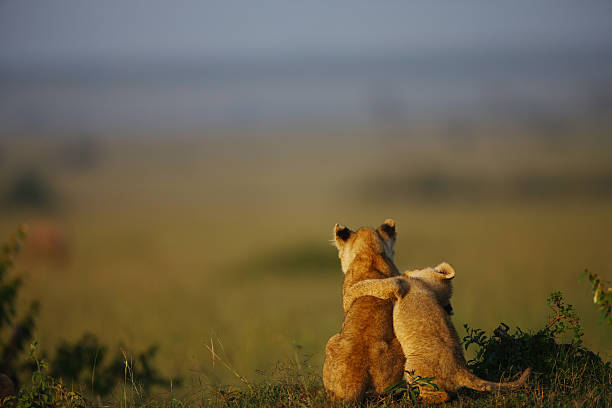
45 391
15 328
567 369
85 362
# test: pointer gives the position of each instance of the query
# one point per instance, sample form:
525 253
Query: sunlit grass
176 243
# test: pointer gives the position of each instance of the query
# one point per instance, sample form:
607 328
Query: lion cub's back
428 338
423 326
369 318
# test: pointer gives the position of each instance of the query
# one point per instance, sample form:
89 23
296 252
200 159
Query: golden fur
365 355
424 329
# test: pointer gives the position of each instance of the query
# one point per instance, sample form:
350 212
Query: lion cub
365 354
424 329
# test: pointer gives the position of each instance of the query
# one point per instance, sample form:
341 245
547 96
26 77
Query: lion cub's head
438 280
380 241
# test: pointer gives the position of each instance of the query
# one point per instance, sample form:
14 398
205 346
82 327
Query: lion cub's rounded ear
445 270
388 228
342 232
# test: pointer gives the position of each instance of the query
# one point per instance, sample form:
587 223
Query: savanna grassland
222 239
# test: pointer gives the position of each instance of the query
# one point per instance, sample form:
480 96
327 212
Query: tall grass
175 242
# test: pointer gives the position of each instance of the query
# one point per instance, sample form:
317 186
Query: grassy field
223 239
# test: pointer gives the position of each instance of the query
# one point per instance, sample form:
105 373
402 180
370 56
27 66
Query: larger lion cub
365 354
424 329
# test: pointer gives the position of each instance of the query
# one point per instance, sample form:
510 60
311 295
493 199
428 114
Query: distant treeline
446 184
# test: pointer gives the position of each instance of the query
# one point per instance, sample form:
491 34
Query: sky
85 64
115 30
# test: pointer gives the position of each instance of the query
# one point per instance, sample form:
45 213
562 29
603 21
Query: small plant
46 391
602 295
564 319
411 387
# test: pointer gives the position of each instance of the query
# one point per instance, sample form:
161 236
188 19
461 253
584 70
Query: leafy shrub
45 390
567 369
15 329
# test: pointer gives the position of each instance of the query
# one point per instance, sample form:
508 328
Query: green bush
564 368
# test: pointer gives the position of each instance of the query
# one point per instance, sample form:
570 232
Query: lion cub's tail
469 380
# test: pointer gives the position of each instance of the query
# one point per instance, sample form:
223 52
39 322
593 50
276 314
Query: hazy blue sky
97 64
35 31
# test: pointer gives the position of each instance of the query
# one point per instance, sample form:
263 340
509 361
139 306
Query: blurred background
181 164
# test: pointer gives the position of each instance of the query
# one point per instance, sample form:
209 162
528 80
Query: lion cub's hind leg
390 369
344 379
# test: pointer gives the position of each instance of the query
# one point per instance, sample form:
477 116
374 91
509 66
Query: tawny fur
424 329
365 355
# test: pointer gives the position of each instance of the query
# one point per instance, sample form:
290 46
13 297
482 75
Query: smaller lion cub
424 329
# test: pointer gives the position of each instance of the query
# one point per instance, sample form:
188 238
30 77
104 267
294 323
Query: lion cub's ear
387 229
341 232
445 271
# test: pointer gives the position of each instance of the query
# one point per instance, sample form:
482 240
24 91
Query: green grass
563 374
180 242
